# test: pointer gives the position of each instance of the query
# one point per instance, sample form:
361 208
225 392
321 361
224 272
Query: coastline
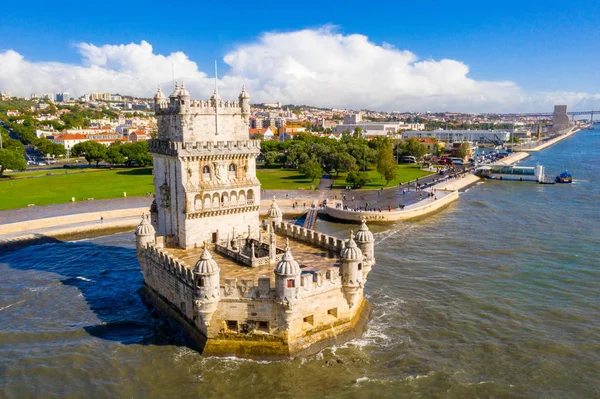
87 225
334 209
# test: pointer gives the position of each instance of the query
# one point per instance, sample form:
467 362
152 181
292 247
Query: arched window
232 170
206 173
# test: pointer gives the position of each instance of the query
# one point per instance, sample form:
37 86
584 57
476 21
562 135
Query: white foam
82 278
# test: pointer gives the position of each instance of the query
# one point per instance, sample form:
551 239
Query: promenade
92 218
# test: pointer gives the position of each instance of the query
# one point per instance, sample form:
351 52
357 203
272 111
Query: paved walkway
376 198
72 208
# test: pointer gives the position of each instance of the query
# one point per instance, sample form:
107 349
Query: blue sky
539 46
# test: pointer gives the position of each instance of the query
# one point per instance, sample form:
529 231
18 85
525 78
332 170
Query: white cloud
313 66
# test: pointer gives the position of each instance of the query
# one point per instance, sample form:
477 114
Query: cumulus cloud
313 66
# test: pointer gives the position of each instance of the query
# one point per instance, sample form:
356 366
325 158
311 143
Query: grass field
283 179
88 183
406 172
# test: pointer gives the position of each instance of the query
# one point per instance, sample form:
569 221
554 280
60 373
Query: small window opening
309 319
333 312
263 326
291 283
360 266
232 325
201 282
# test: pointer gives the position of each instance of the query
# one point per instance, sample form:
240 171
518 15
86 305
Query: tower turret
160 101
207 289
274 214
183 99
351 263
245 104
366 242
144 234
287 278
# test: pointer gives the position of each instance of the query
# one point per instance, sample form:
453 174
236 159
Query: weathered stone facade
209 263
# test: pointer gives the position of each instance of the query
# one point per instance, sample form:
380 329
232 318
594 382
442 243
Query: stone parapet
312 237
242 148
420 209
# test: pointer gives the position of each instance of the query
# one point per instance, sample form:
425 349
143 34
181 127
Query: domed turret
287 277
206 264
176 92
245 104
207 292
366 242
144 233
159 100
183 99
287 266
351 264
183 91
351 251
274 214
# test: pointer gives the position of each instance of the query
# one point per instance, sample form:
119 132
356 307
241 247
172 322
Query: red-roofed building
139 135
68 140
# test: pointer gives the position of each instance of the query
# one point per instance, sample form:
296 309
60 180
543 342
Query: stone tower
366 242
351 263
207 288
287 278
144 234
204 168
274 214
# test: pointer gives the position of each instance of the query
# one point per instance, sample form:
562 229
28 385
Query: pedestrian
101 219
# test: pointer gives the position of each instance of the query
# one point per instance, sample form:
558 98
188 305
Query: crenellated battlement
169 263
309 236
204 148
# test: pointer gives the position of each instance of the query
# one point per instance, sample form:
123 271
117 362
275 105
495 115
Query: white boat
511 172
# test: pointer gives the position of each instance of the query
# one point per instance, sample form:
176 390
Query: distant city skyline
509 57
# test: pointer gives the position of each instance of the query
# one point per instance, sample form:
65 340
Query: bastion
233 284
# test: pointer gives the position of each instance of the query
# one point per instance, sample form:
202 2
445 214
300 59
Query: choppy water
497 296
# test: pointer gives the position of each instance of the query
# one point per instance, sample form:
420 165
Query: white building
451 136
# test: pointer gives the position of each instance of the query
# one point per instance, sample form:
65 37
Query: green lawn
53 172
283 179
406 172
59 188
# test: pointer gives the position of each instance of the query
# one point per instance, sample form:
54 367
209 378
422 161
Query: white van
408 159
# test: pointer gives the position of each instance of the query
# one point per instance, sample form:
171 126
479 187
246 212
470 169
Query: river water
496 296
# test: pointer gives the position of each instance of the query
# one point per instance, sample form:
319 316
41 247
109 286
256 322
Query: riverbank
94 224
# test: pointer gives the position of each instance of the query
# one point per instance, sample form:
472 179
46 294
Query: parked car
444 161
41 163
408 159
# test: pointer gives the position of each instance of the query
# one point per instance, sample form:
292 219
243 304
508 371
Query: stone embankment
445 193
93 224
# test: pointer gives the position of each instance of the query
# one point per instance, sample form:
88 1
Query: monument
560 119
234 285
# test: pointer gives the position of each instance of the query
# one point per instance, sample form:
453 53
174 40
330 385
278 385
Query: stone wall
417 210
312 237
248 311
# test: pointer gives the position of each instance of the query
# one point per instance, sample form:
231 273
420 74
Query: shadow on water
109 279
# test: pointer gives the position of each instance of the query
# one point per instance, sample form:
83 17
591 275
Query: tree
357 179
10 159
344 162
463 150
412 147
93 151
311 169
114 156
358 132
271 158
386 164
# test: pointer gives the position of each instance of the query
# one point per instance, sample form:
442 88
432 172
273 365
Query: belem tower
236 285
